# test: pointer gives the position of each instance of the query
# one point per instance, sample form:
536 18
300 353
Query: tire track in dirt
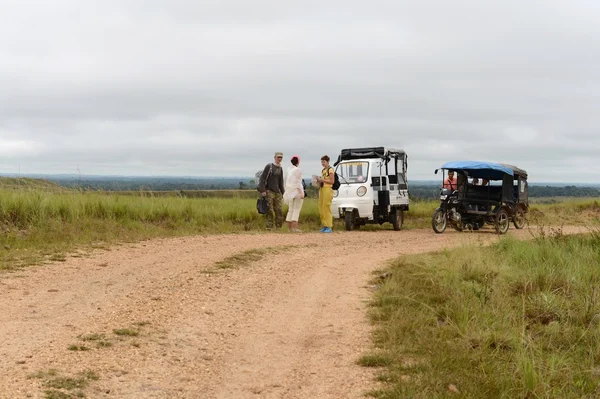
289 326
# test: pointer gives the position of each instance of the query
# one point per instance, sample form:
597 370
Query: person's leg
288 218
327 194
295 208
278 205
270 210
321 206
298 210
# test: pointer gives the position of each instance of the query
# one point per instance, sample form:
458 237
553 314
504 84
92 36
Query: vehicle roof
483 170
516 171
369 152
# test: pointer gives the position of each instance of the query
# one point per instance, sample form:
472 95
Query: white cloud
17 149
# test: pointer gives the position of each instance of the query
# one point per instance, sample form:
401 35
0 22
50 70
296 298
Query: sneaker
322 230
327 230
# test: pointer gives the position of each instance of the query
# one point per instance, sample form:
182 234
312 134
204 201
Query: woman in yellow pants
326 194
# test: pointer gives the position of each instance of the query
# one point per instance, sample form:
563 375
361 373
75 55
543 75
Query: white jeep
373 187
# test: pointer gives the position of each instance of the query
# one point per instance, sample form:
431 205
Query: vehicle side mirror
436 171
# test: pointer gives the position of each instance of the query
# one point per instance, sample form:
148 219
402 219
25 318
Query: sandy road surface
289 326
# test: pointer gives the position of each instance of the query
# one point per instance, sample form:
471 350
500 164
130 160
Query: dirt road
291 325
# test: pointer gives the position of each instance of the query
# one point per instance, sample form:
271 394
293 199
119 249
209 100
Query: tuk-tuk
373 187
484 192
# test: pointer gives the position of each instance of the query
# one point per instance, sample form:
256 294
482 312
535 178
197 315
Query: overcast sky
214 87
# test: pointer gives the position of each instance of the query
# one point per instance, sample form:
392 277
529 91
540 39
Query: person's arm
262 183
298 182
281 184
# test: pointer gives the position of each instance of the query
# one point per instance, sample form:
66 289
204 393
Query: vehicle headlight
335 193
443 197
362 190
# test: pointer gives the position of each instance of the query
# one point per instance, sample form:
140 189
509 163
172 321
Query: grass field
515 320
41 221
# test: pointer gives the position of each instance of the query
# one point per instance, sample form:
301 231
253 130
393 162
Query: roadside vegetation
517 320
40 221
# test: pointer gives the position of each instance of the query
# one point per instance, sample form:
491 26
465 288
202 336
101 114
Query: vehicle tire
349 221
519 218
439 221
398 219
502 221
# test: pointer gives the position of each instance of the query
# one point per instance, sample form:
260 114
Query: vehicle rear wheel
398 219
439 222
519 219
502 221
348 221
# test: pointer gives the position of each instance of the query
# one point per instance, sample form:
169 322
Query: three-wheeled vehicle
373 187
496 194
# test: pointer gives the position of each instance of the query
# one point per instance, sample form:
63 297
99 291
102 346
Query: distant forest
535 191
425 190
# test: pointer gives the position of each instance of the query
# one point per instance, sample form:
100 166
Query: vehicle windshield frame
353 179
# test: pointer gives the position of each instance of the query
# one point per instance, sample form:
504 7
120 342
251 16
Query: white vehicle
373 187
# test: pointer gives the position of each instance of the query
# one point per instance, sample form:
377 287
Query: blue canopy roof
483 170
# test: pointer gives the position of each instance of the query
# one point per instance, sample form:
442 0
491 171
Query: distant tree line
431 192
421 191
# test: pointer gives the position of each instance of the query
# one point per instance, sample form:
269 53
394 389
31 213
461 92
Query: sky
215 87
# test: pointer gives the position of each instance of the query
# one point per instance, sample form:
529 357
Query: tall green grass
37 224
515 320
40 221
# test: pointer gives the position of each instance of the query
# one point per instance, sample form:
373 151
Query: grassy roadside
517 319
36 225
40 223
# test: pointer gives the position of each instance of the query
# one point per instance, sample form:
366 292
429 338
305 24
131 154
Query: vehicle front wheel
502 221
349 221
439 222
458 226
398 219
519 219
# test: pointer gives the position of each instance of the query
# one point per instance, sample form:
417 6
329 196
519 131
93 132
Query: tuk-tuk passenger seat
485 193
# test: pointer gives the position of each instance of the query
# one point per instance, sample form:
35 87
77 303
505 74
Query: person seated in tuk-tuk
450 181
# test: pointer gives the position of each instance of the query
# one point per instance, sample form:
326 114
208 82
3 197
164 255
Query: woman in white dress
294 194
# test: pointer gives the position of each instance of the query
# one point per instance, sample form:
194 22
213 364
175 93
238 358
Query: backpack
336 181
259 176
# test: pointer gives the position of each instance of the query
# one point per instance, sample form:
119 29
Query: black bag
261 205
336 180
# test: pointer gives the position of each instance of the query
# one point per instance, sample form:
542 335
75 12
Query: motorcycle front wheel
439 222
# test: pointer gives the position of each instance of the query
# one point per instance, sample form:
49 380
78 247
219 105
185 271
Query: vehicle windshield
353 172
